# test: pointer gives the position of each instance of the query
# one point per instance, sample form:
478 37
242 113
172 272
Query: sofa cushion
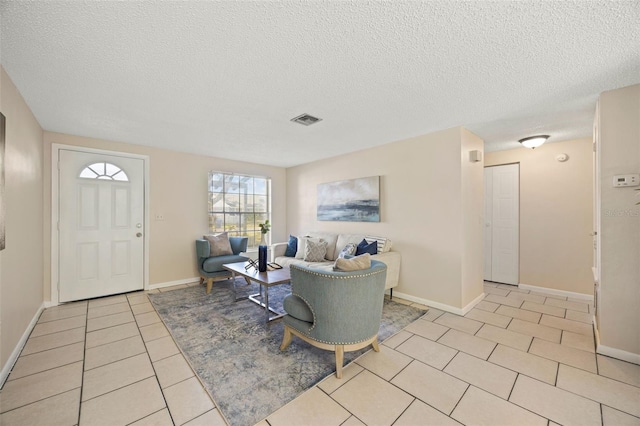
315 251
214 264
288 261
353 264
219 244
366 247
292 246
331 240
297 308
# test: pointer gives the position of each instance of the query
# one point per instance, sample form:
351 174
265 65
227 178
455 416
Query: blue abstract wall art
353 200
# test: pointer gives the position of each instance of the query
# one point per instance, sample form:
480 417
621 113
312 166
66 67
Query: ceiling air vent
306 119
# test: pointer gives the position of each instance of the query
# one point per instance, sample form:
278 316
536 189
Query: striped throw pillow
384 244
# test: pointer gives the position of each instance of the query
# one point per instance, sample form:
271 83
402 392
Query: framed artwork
354 200
2 197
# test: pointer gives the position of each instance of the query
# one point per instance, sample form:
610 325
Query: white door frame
517 247
55 210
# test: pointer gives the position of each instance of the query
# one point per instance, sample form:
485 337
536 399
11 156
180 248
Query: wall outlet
159 217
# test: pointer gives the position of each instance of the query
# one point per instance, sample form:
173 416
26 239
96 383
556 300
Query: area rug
237 356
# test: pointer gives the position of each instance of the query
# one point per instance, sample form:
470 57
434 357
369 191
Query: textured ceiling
224 78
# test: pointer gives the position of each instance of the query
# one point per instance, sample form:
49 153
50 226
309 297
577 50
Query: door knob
139 234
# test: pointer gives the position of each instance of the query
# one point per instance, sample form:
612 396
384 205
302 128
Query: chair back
347 306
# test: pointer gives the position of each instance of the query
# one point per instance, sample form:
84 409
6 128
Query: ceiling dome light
534 141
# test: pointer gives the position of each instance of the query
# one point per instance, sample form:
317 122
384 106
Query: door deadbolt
139 234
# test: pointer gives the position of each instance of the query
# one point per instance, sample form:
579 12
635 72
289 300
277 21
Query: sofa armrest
202 248
392 260
278 250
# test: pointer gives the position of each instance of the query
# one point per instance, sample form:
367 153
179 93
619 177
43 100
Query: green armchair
210 268
335 311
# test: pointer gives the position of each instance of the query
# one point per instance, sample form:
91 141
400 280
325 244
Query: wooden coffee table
264 279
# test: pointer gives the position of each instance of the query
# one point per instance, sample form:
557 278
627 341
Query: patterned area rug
237 356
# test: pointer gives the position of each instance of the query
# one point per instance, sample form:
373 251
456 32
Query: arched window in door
106 171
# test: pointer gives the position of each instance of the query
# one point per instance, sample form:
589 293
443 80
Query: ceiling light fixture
534 141
306 119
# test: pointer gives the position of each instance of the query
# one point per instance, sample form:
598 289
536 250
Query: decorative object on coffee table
262 247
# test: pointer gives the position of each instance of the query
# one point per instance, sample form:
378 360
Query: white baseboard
571 294
6 369
441 306
172 283
613 352
473 303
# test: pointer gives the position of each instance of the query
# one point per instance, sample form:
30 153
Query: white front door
503 224
101 225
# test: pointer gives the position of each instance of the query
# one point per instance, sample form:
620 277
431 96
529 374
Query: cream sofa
335 244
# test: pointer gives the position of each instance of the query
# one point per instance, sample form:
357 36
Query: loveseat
335 244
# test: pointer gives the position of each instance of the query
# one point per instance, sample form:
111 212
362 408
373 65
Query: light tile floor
518 357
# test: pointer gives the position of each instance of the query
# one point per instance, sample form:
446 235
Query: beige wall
178 191
619 315
430 200
472 219
21 261
556 214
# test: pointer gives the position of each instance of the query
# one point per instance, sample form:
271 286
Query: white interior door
101 225
502 225
488 220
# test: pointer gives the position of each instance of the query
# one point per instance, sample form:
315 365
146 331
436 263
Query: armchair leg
339 360
286 339
209 285
375 344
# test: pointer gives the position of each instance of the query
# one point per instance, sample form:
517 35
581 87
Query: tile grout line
338 402
84 357
153 367
399 415
50 349
3 388
459 400
186 359
44 371
404 390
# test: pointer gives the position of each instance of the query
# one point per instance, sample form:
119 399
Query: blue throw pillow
292 247
365 247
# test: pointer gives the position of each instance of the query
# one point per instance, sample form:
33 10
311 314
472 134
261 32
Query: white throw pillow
344 239
348 250
302 244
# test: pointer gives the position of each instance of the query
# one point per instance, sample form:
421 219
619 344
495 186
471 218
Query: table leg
266 302
235 293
